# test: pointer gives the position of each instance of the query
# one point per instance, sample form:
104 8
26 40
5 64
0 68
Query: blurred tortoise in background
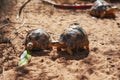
103 9
37 39
73 38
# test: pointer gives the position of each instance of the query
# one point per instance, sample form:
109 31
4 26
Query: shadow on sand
63 54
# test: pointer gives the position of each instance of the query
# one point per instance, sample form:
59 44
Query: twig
21 8
3 73
4 26
22 24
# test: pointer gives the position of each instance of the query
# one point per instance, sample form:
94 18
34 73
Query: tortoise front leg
77 48
49 46
69 51
102 14
58 48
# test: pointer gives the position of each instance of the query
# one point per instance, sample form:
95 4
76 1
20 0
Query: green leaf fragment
25 58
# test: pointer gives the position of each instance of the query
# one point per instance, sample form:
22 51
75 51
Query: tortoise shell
74 38
37 39
102 9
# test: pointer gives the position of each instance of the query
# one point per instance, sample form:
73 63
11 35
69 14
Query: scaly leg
69 51
77 49
102 14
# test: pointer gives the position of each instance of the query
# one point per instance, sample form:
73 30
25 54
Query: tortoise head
56 43
112 10
29 46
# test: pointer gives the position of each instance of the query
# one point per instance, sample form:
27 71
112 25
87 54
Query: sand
101 63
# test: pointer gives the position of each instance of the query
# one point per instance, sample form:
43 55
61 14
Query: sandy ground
101 63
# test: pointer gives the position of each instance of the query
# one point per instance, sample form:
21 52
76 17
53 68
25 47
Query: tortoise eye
108 6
